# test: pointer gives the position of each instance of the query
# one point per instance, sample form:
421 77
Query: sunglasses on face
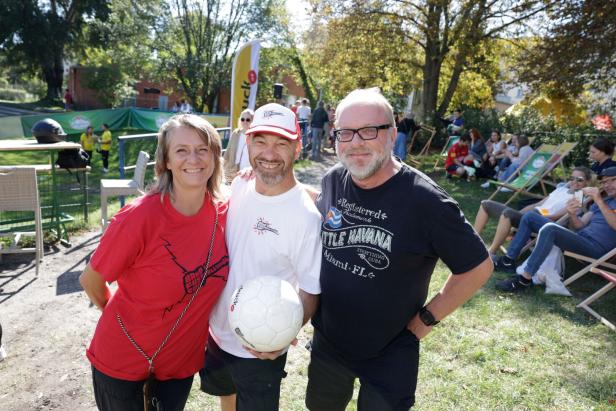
246 119
577 179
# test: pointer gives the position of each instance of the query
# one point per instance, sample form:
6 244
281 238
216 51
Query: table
52 149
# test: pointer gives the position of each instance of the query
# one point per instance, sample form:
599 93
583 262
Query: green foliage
110 83
17 95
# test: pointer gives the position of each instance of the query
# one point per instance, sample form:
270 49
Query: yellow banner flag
244 80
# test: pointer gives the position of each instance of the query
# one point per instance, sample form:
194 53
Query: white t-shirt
267 235
241 154
556 201
303 112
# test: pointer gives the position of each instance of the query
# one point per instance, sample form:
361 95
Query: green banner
76 122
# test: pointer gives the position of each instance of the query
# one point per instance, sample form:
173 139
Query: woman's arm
95 287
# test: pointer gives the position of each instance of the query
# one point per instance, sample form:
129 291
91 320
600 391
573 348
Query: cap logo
271 113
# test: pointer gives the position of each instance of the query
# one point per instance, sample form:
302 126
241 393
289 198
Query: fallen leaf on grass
508 370
612 401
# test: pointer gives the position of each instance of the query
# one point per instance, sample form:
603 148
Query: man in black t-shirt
385 225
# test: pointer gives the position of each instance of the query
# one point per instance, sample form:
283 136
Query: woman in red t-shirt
167 253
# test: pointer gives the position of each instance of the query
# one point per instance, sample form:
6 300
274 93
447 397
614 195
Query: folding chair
124 187
19 192
529 173
604 261
564 149
611 283
450 142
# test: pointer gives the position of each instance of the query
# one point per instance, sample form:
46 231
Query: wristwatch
427 318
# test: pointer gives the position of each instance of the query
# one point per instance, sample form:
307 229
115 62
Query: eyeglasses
345 135
246 119
577 179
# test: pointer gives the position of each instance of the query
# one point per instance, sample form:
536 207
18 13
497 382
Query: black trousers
113 394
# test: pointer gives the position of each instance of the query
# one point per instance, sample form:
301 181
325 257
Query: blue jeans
554 235
303 128
508 172
400 146
530 223
316 141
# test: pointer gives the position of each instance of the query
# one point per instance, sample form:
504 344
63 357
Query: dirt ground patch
48 321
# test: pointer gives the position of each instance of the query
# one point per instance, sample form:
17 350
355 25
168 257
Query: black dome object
48 131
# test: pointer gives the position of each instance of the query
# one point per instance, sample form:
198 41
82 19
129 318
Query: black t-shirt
597 167
319 118
407 126
380 247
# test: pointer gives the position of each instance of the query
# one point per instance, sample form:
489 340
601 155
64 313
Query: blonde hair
239 119
370 96
209 135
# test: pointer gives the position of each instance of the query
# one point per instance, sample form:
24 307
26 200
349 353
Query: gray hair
371 96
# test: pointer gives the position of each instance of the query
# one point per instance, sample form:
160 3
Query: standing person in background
295 106
105 147
303 115
327 127
2 350
331 111
406 127
88 140
601 152
176 107
236 154
186 108
68 100
150 339
317 125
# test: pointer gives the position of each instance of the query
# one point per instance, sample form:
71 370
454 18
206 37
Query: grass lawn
498 352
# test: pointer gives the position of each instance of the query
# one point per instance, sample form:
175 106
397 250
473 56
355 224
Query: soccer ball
265 314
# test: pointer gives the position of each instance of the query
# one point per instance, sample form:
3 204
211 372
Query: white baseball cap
275 119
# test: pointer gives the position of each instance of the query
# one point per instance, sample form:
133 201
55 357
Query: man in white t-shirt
273 228
304 114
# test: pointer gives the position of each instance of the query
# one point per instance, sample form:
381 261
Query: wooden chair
451 140
611 283
604 261
19 192
123 187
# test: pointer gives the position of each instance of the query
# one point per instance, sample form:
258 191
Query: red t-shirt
456 151
157 256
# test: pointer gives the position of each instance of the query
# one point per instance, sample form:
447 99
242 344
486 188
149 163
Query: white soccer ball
265 314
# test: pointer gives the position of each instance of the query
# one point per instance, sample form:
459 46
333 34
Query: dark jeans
89 156
554 235
105 155
256 382
530 223
387 382
113 394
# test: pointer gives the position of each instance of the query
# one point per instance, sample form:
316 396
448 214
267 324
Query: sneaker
485 185
2 353
514 284
505 190
504 263
105 170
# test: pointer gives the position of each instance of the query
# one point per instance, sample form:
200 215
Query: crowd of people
348 248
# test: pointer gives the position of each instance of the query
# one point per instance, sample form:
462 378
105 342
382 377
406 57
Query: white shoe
105 170
486 185
2 353
505 190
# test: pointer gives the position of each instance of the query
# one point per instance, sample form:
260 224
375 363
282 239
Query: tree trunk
453 84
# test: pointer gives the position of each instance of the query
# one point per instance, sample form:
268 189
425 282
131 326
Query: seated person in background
456 156
552 207
511 147
595 235
478 147
601 151
456 127
495 148
524 151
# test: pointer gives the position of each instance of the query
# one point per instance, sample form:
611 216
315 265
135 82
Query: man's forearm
608 213
310 302
460 288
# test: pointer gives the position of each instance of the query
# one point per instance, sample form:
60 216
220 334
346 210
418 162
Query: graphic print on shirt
351 226
262 226
192 278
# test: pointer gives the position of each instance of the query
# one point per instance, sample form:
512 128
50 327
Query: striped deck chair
529 173
450 142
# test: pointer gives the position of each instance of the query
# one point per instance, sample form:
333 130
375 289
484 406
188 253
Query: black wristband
427 318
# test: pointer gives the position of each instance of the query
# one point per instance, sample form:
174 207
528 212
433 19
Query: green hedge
14 94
